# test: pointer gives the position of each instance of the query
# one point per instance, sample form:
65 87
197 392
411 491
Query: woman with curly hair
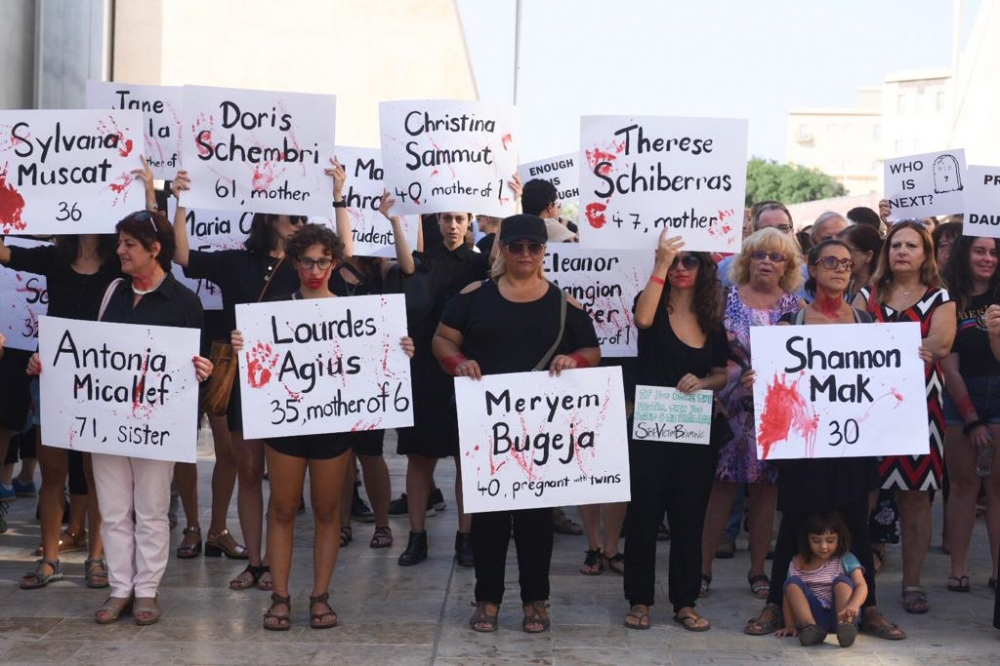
682 345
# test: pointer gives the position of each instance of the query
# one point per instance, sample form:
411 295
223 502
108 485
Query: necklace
143 292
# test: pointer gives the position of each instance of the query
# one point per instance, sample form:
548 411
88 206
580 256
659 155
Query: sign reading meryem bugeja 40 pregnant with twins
324 365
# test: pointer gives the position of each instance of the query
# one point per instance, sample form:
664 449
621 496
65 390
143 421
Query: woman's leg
533 540
719 504
113 484
614 516
490 540
992 483
186 475
591 517
960 458
915 519
250 493
464 519
378 486
286 476
763 499
419 477
51 497
223 475
93 509
346 486
326 478
651 484
152 528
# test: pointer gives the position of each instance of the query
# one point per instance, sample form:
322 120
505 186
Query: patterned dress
917 472
738 461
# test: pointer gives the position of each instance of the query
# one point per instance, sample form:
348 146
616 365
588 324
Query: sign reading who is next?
640 175
839 391
259 151
982 202
928 184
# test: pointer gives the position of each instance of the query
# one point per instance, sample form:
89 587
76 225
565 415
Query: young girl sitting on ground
825 586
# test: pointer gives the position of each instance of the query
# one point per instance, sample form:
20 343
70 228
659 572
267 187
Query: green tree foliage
766 179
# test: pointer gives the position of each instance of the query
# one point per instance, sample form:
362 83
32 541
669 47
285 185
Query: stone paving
418 615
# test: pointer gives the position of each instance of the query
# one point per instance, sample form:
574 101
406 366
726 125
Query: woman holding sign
314 252
483 332
907 287
682 345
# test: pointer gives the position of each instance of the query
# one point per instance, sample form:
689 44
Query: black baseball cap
523 227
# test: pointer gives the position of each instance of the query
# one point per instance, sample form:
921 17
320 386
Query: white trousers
136 547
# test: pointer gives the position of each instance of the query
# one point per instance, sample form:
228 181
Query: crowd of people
466 304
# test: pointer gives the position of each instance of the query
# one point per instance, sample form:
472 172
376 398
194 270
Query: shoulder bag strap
562 327
267 280
108 293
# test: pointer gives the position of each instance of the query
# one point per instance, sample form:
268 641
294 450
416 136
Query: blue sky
753 59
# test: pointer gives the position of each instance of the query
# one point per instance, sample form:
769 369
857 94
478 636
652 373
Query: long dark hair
822 523
69 247
865 238
262 238
148 228
958 271
707 294
815 252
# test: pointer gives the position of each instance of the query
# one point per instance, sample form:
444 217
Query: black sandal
284 622
346 535
241 582
382 538
482 621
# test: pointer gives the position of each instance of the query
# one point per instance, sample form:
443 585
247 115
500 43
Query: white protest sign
529 440
23 299
839 391
606 284
639 175
68 172
926 184
664 414
562 171
982 201
121 389
449 155
324 365
372 232
161 111
257 150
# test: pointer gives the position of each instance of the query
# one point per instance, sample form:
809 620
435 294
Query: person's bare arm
182 245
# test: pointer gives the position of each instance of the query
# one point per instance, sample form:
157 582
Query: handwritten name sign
664 414
982 201
161 115
121 389
447 155
259 151
562 171
529 440
639 175
324 365
606 284
68 172
839 391
926 184
23 299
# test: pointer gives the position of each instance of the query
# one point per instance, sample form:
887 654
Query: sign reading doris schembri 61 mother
324 365
839 391
443 155
259 151
639 175
529 440
68 172
121 389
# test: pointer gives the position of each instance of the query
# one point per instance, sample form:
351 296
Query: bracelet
152 207
340 204
656 280
581 360
450 363
968 428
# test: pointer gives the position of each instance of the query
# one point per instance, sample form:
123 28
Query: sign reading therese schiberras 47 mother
121 389
839 391
449 155
639 175
259 151
68 172
23 299
324 365
161 115
529 440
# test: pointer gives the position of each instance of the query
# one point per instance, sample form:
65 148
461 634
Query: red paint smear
11 206
595 214
896 394
260 360
784 409
597 155
505 140
263 176
117 187
124 145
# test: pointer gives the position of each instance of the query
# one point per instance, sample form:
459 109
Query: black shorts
367 442
312 447
22 445
15 389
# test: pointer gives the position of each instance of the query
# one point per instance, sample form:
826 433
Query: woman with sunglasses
765 276
681 345
259 272
483 332
907 287
971 404
808 487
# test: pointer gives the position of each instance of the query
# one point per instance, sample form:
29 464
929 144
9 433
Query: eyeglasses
688 261
308 264
833 263
297 220
518 247
760 255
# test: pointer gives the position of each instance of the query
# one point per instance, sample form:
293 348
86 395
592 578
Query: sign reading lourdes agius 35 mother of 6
982 202
928 184
161 115
839 391
256 150
447 155
121 389
68 172
639 175
530 440
324 365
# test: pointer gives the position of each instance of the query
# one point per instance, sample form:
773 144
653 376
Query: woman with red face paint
314 252
258 273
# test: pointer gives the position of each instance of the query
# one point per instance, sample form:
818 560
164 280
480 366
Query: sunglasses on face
518 247
688 261
833 263
760 255
322 264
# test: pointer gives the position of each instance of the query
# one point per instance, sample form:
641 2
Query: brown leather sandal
281 622
316 619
